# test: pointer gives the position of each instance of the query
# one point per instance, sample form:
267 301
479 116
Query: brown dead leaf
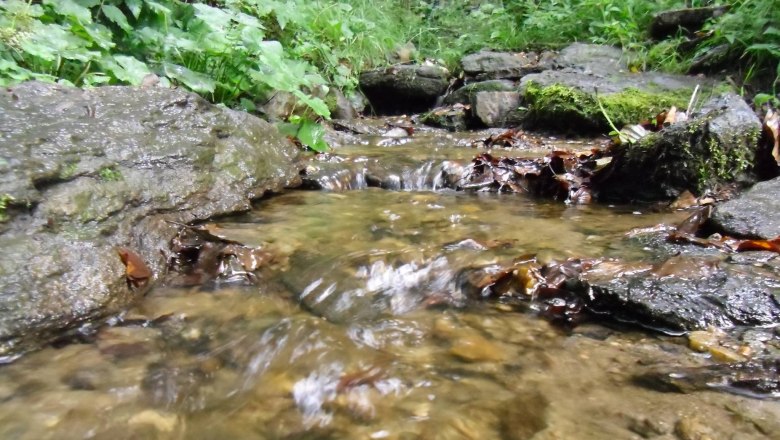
772 245
136 270
684 201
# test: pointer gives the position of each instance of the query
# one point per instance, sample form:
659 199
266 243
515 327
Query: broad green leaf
117 16
100 35
158 8
50 42
311 134
135 7
19 7
197 82
70 9
316 104
126 68
217 19
252 38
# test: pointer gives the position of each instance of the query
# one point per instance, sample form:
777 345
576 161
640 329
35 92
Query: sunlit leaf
216 18
126 68
311 134
70 9
195 81
158 8
134 6
117 16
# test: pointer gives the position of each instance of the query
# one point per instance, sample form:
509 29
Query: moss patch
566 108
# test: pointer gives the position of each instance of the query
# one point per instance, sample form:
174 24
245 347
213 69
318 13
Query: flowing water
355 330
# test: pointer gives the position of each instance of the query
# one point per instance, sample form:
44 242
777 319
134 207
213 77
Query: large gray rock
405 88
753 214
93 170
496 109
675 304
567 99
465 94
488 65
717 145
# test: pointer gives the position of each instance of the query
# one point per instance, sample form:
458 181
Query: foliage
109 174
239 52
5 200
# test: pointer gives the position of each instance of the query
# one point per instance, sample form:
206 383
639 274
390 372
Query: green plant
5 200
109 174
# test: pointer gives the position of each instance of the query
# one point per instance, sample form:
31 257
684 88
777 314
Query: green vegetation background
239 52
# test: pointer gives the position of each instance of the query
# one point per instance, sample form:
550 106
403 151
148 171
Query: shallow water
346 335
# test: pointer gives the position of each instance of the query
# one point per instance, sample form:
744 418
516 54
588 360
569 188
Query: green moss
109 174
559 106
5 200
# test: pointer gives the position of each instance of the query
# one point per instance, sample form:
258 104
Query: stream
356 328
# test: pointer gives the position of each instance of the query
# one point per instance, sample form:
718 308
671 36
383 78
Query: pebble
474 348
161 422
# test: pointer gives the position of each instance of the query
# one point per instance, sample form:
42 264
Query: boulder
752 214
568 99
717 145
679 303
496 109
90 171
404 88
668 23
454 118
465 94
488 65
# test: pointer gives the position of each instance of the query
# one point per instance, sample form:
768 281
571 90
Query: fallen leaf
136 270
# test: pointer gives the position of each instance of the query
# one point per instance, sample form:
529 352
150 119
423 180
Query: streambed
344 334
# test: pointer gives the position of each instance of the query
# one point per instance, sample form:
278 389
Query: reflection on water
358 331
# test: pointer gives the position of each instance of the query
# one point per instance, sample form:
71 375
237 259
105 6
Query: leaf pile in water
200 255
559 175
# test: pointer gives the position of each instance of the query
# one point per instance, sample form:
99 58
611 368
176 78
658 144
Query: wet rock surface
717 145
91 171
488 65
753 214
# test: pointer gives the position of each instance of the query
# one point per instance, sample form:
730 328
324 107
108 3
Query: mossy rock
568 100
718 146
563 108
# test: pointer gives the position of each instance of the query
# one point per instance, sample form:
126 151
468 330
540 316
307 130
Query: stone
753 214
715 146
453 118
404 89
496 109
568 99
488 65
465 94
668 23
92 170
475 348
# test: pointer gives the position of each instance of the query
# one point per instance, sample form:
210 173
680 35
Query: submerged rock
405 88
752 214
89 171
717 145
